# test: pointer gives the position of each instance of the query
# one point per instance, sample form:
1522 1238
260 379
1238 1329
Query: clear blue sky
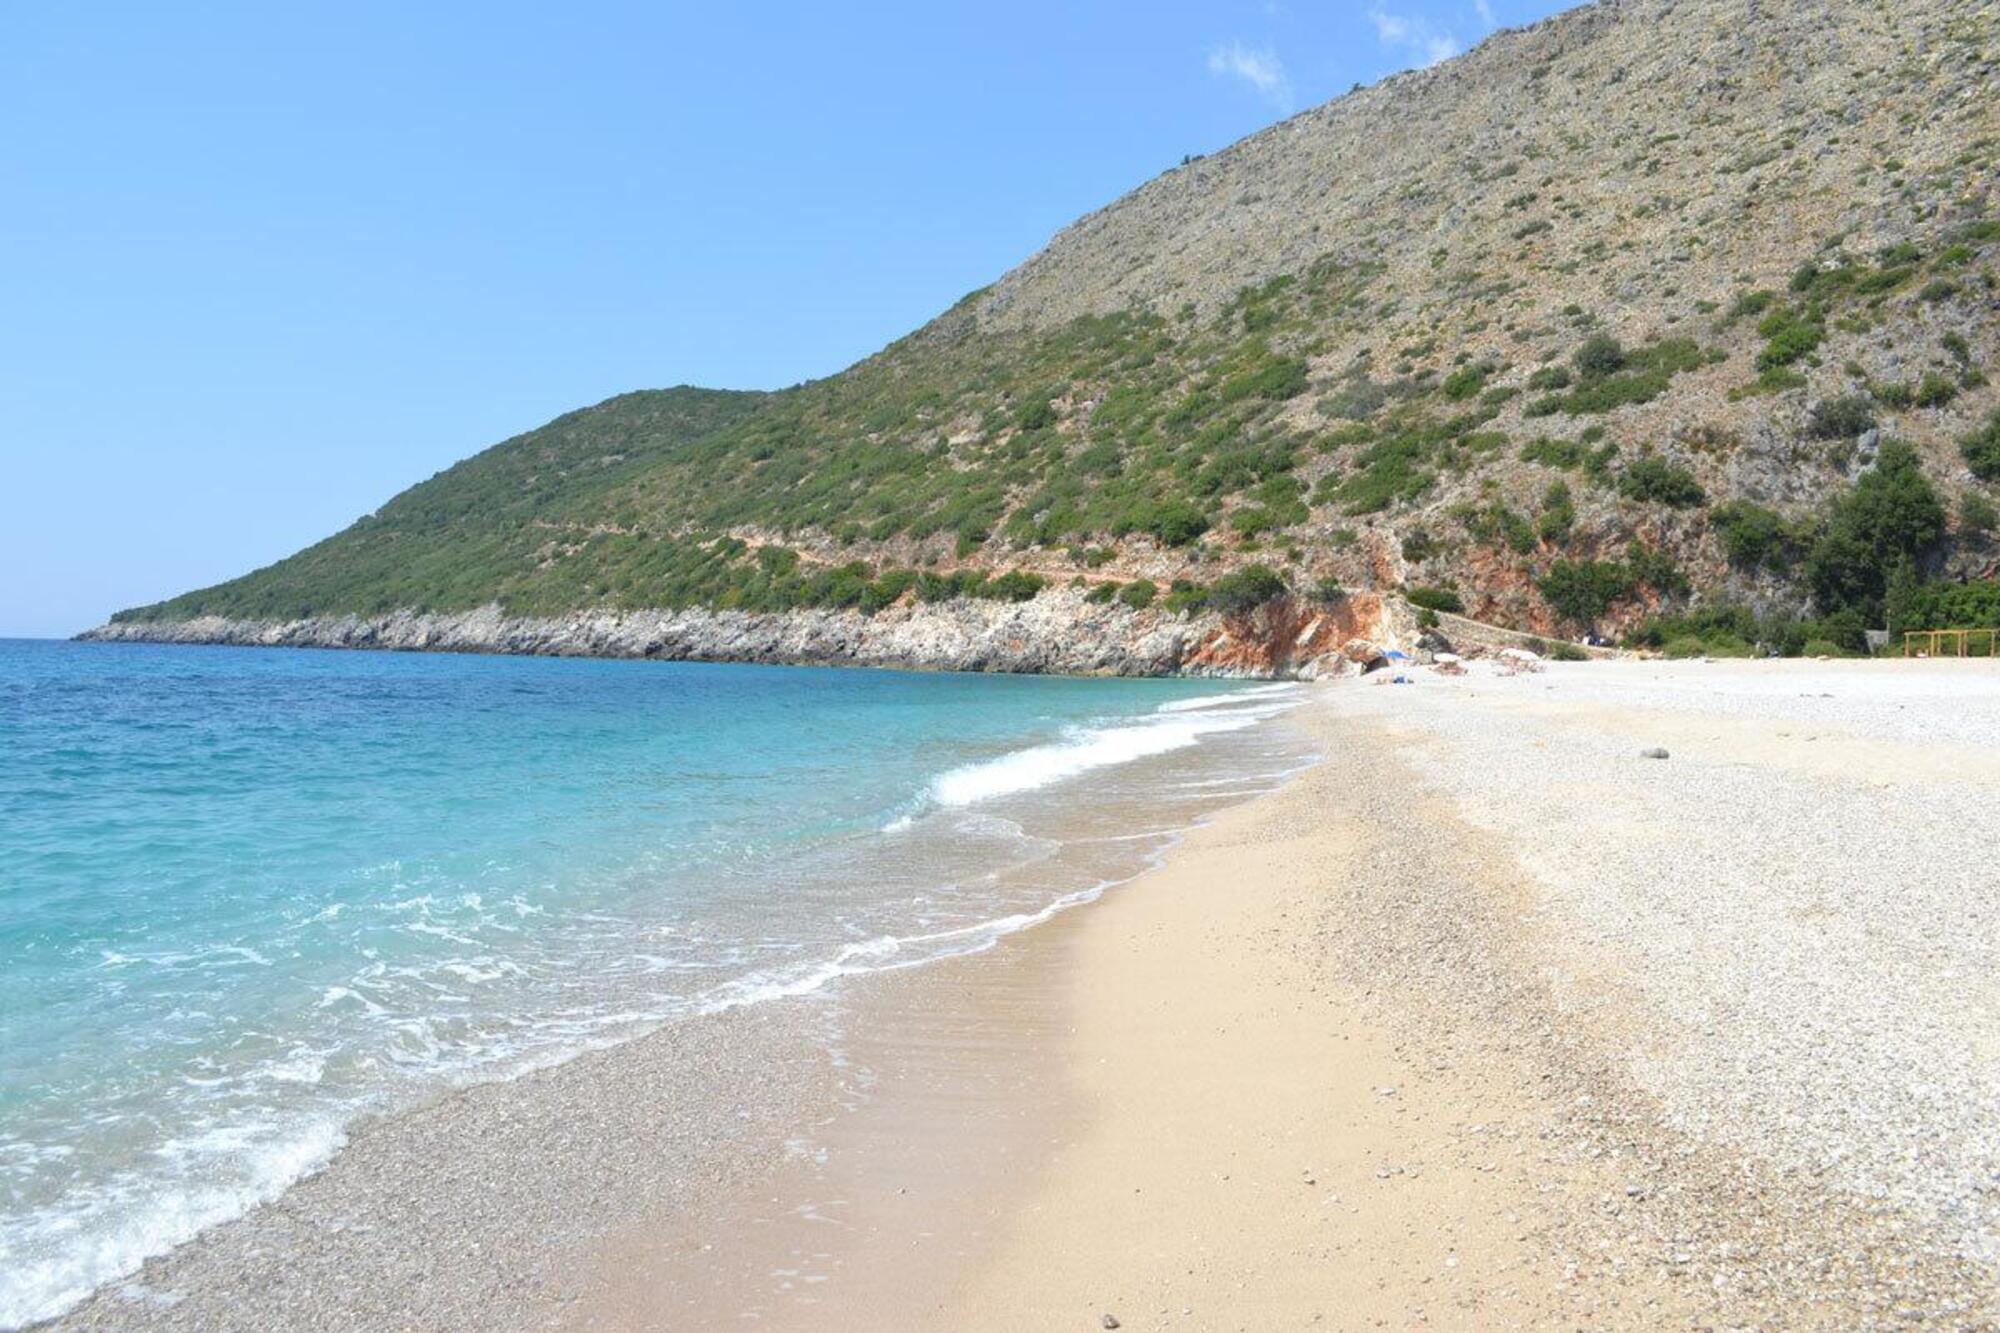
264 265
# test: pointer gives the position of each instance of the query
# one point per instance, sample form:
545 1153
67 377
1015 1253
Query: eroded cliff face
1058 633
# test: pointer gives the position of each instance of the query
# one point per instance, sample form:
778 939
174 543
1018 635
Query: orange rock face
1290 637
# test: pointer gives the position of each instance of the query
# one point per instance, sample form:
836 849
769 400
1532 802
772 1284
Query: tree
1892 514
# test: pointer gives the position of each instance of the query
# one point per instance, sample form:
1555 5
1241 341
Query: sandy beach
1487 1021
1494 1021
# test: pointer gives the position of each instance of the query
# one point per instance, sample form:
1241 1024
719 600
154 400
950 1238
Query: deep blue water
247 895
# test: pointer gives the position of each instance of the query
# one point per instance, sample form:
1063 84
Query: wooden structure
1960 642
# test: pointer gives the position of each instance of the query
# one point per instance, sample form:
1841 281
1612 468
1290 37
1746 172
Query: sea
248 896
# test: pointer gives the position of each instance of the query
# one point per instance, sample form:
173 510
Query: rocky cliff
1057 633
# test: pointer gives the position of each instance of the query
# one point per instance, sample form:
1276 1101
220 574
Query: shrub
1600 355
1564 651
1138 594
1555 453
1655 481
1841 418
1328 591
1245 590
1977 516
1787 339
1550 378
1013 586
1171 522
1184 596
1255 521
1936 390
1558 513
1982 451
1893 395
1751 534
887 590
1101 593
1036 414
1822 648
1465 382
1656 569
1436 599
1685 648
1583 590
1278 378
1752 303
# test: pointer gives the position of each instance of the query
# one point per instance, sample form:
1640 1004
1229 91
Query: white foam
1174 727
50 1260
1234 698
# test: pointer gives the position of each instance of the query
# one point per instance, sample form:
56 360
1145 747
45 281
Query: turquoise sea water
247 895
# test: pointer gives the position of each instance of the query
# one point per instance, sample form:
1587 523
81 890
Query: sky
263 266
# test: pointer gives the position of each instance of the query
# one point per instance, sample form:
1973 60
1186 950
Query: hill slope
1657 305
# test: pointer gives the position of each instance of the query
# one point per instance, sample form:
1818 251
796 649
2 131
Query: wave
50 1258
1174 726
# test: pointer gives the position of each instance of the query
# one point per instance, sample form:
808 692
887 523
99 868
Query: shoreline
494 1189
1425 1063
1391 1083
1057 632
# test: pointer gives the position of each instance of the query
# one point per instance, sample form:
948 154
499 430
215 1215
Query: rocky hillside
1671 317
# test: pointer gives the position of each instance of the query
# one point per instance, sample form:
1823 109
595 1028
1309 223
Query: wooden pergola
1933 642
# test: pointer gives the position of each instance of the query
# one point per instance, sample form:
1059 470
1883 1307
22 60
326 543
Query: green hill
1666 317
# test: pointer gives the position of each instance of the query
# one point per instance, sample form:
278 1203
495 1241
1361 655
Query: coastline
1374 1048
1059 632
476 1206
1388 1079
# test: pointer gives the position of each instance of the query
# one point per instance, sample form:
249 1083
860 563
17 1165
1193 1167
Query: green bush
1014 586
1685 648
1936 390
1977 516
1822 648
1982 450
1276 379
1036 414
1138 594
1558 513
1788 339
1600 355
1583 590
1555 453
1245 590
887 590
1436 599
1652 480
1752 535
1328 591
1842 418
1101 593
1466 382
1169 522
